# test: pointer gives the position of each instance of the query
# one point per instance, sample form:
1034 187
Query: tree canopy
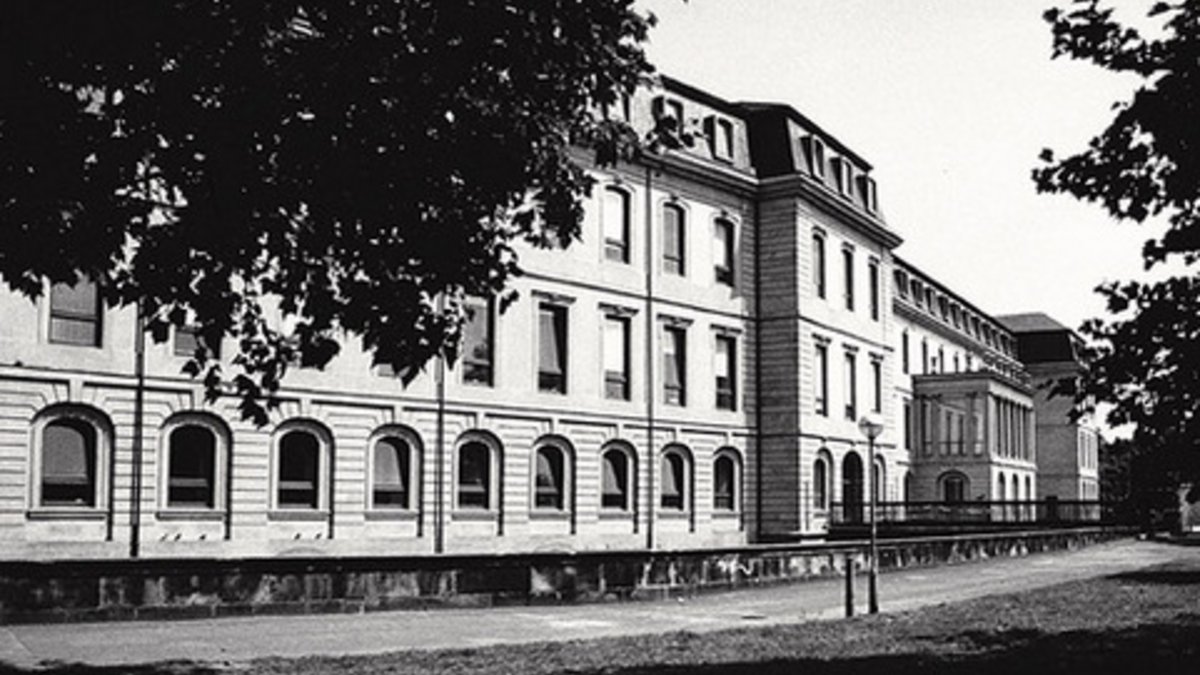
1145 165
342 164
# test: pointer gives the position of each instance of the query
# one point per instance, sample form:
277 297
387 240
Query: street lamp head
871 425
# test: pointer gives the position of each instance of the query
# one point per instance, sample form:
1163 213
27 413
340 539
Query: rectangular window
724 365
478 331
674 224
821 382
908 424
616 225
924 357
877 383
848 267
851 387
616 357
188 340
674 351
904 352
873 279
818 246
724 143
552 348
723 251
75 312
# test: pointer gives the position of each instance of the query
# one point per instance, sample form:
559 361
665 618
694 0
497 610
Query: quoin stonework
688 374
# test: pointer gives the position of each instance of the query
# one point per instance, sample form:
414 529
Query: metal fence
1046 511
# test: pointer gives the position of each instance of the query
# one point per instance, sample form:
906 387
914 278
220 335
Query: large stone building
1068 463
688 374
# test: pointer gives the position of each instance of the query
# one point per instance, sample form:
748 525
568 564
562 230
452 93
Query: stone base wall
101 590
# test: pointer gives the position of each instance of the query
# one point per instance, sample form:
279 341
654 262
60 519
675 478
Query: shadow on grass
1161 649
1166 644
165 668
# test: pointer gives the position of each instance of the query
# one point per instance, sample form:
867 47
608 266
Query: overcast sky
951 101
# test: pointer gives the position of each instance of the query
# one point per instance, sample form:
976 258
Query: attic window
844 176
723 139
866 186
816 157
669 108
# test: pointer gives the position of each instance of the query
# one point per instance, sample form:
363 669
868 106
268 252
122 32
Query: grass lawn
1143 623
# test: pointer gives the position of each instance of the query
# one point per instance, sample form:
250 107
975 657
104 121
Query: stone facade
687 375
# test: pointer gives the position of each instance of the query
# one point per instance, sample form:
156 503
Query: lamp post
871 425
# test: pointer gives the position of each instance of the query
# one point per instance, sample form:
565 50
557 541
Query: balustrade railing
1044 511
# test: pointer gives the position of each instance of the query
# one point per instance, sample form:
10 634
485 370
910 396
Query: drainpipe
439 488
139 411
651 456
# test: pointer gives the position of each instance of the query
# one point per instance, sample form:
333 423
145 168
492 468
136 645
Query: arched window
1001 494
725 481
675 479
192 467
615 472
475 476
300 470
391 473
954 487
820 483
852 487
1028 488
550 486
69 463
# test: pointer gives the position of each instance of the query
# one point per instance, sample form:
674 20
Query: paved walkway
237 639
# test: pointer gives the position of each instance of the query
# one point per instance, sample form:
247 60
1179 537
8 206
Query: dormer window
720 137
866 187
672 108
915 285
816 156
901 279
844 175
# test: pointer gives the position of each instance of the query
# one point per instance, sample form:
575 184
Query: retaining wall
38 592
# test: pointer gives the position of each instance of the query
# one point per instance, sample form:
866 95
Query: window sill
673 515
190 514
66 513
312 515
390 514
478 515
549 514
726 515
615 514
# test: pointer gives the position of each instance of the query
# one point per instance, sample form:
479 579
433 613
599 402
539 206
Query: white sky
951 101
